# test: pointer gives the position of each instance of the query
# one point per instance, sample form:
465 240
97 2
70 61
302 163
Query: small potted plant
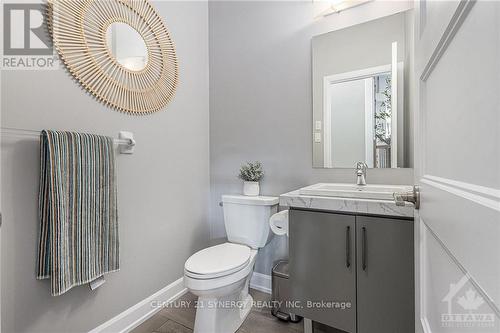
251 174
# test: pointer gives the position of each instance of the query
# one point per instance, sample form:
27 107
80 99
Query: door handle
400 198
348 247
363 248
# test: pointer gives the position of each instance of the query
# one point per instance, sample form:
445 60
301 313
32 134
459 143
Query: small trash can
281 295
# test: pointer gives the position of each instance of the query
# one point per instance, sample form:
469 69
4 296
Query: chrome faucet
361 173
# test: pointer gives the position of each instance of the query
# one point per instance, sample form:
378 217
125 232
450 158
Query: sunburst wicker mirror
86 34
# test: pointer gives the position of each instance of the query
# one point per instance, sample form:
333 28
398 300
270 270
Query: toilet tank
247 219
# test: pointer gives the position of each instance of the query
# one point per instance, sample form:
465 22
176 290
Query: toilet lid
218 260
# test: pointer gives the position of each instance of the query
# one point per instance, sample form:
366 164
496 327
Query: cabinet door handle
363 249
348 247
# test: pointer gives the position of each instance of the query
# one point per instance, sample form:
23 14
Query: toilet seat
217 261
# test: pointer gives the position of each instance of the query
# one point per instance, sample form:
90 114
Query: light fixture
336 6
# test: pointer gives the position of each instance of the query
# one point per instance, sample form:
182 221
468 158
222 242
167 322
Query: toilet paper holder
279 223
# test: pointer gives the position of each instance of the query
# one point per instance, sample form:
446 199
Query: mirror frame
381 41
78 30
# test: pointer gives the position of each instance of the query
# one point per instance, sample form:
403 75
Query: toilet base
223 314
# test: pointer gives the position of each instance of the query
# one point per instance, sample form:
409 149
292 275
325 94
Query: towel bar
125 142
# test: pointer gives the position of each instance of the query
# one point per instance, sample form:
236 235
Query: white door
457 166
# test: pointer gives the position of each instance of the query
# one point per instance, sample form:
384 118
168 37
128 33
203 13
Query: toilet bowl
221 286
220 275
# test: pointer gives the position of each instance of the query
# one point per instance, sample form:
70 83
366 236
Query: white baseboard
261 282
137 314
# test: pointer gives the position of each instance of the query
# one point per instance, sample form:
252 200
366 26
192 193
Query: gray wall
162 189
261 101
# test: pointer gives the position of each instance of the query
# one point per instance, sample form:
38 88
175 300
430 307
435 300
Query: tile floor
181 319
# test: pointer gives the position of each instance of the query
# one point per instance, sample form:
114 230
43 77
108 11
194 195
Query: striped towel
78 240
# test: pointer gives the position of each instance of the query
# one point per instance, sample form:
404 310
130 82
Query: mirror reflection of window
382 121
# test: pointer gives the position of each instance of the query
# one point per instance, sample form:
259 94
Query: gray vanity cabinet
364 260
323 266
385 282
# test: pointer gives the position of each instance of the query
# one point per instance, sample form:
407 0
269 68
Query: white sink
343 190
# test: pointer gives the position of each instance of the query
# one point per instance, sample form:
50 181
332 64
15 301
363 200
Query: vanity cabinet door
385 271
323 267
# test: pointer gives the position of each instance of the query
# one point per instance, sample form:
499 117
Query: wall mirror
119 50
361 94
127 46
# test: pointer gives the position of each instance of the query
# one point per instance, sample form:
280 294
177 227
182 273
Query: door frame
328 81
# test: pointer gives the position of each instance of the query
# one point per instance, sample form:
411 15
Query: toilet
220 275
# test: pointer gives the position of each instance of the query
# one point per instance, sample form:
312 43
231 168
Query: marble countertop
351 205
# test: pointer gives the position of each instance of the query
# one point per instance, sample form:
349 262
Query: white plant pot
251 189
